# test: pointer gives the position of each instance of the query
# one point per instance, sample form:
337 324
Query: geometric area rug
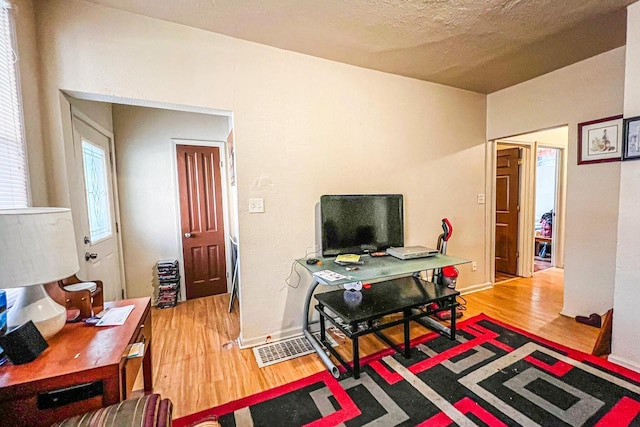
492 375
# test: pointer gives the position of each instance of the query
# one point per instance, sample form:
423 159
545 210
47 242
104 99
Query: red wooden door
507 191
203 241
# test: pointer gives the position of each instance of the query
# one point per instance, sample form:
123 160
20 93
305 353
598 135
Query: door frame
526 218
222 146
557 232
78 114
526 192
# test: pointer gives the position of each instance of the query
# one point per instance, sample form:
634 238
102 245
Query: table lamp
37 246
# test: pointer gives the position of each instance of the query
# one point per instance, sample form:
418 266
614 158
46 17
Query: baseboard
475 288
573 314
264 339
568 314
623 362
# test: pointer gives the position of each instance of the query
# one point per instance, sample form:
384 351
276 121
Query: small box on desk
23 344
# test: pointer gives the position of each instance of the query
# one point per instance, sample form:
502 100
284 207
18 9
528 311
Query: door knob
88 256
187 235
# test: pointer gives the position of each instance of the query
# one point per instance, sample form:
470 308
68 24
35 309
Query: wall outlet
481 199
474 266
256 205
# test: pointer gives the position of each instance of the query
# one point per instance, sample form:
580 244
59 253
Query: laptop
411 252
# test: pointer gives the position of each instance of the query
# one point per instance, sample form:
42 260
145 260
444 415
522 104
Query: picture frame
631 146
600 141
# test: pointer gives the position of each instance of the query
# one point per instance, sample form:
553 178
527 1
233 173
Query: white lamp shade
37 245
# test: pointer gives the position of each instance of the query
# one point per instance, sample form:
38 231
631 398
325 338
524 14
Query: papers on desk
115 316
328 275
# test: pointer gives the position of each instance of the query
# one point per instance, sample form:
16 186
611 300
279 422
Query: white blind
13 171
14 190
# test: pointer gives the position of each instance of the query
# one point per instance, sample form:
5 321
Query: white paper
115 316
328 275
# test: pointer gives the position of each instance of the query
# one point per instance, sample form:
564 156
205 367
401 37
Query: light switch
481 199
256 205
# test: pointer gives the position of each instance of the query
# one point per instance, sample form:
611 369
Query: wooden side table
84 368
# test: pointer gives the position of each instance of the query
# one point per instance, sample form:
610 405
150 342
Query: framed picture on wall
600 140
631 147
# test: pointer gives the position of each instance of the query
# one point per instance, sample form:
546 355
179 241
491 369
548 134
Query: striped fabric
146 411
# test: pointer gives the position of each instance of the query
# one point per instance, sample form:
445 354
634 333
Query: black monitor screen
359 224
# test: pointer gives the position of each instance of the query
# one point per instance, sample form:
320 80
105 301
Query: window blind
14 188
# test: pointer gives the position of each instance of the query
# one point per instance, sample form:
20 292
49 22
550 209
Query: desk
362 312
79 355
374 269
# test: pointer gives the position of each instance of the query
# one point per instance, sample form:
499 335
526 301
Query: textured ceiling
481 45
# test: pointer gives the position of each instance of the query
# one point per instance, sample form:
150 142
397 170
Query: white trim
624 362
526 227
557 248
221 145
109 99
75 112
475 288
490 211
267 338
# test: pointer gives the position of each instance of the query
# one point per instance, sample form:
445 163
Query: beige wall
588 90
306 125
557 137
626 334
145 158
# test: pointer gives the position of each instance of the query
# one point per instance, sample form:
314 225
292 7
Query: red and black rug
493 375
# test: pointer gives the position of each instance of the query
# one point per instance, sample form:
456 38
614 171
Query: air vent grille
272 353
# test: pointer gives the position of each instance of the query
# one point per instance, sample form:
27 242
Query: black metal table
361 312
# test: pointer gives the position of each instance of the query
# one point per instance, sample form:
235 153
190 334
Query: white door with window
92 202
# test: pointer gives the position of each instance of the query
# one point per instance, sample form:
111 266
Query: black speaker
23 344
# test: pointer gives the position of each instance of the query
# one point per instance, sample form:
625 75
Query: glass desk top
379 268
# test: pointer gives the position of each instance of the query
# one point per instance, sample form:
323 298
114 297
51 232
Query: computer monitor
361 223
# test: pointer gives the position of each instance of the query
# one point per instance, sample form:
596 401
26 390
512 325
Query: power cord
310 250
288 279
463 304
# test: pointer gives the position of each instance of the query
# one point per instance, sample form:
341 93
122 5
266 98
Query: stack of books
168 283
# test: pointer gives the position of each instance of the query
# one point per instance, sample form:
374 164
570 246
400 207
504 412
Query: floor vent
270 354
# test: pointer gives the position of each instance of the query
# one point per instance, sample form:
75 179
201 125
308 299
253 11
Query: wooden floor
540 264
197 365
503 277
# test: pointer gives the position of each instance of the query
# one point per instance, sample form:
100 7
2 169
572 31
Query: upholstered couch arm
146 411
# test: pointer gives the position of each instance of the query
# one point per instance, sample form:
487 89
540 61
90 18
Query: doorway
93 205
545 206
144 188
540 223
202 219
507 207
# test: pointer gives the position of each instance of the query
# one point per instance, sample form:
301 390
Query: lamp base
36 305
